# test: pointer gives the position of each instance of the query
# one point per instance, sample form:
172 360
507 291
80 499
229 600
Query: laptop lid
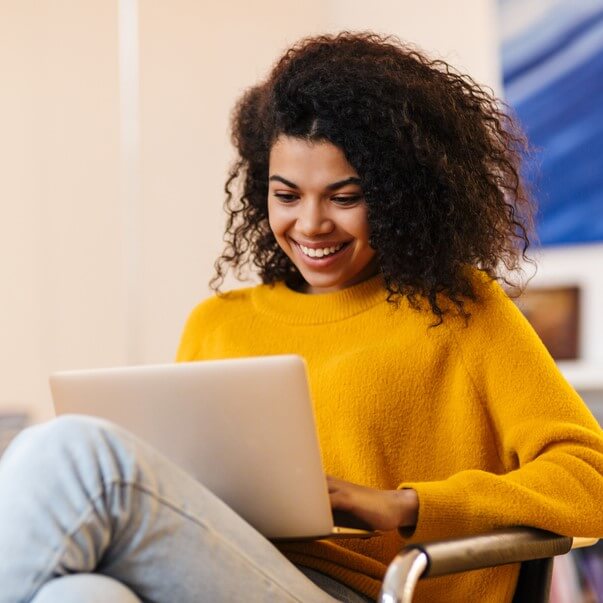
243 427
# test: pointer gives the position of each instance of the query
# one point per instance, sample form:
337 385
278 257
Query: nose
313 220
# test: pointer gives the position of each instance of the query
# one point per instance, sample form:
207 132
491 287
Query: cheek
272 218
277 223
357 224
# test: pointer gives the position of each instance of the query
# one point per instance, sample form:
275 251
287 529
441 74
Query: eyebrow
331 187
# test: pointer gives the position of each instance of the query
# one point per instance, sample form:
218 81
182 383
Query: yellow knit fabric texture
473 415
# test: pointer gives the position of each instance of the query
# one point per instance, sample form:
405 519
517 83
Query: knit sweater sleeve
548 441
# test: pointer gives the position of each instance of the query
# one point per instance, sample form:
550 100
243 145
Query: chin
324 283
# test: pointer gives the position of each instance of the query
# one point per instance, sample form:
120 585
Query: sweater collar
294 307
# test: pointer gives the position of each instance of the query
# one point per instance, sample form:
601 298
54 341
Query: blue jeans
89 513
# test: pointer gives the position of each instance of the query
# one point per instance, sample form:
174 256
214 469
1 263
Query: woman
380 202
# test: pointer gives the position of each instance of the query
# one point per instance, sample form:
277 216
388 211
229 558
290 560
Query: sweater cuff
444 513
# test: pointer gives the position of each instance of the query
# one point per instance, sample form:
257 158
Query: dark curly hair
438 158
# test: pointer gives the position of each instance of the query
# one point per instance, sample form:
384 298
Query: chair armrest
500 547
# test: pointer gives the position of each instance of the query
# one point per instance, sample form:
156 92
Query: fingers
341 499
333 484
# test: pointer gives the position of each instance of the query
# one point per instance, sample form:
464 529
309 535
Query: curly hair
438 158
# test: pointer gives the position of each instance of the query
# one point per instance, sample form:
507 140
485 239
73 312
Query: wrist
409 507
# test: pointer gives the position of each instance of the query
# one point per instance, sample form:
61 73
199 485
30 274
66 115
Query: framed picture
552 60
555 315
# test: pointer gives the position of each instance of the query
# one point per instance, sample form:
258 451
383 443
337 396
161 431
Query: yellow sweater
477 419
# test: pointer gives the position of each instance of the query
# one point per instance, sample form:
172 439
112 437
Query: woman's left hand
381 509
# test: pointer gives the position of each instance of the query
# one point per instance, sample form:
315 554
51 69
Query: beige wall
464 32
195 59
60 257
102 255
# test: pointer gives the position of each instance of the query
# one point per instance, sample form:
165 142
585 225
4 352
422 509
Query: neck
368 272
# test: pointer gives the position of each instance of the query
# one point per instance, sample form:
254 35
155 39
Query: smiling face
318 214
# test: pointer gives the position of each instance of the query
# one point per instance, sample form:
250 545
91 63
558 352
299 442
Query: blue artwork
552 55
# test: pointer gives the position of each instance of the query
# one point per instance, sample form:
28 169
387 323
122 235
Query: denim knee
64 429
82 438
85 588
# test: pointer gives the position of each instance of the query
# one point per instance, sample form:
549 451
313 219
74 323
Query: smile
322 256
320 252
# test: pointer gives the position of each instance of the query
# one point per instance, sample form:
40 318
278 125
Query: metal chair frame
531 547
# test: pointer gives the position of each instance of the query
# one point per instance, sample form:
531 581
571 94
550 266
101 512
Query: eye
286 197
347 200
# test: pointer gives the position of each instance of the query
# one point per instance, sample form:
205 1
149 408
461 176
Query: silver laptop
243 427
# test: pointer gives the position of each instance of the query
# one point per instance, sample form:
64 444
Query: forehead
309 162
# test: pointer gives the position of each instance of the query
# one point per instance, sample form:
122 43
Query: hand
381 509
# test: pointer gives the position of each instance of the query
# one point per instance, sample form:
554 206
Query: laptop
244 427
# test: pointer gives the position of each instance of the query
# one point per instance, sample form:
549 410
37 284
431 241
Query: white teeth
319 253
